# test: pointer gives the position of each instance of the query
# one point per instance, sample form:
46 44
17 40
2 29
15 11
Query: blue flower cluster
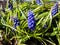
54 9
10 6
38 2
16 22
31 20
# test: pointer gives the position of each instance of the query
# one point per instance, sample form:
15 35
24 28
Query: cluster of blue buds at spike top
38 2
54 9
31 20
16 22
10 6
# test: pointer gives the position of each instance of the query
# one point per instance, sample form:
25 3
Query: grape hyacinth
38 2
10 6
31 20
54 9
16 22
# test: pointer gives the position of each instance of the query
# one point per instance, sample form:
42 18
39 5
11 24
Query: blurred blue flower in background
10 6
38 2
54 9
31 20
16 22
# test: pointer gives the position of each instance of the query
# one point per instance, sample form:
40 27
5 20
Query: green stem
58 38
22 13
50 42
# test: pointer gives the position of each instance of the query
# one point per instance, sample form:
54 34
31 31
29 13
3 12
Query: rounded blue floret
54 9
31 20
38 2
16 22
10 6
